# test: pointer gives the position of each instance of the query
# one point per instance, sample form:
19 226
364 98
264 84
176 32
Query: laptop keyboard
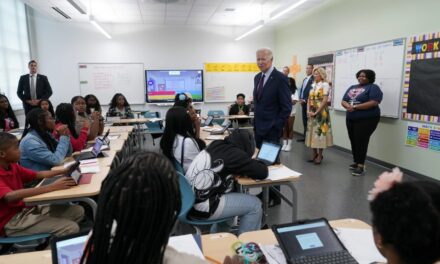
341 257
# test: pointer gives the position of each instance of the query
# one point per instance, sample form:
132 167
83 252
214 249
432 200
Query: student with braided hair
39 149
406 219
137 209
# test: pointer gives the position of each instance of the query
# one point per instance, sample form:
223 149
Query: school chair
9 243
216 114
188 198
154 128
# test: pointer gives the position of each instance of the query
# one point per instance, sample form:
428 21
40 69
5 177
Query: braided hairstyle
36 121
407 216
141 198
66 115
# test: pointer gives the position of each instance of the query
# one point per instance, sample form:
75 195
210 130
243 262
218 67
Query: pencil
212 260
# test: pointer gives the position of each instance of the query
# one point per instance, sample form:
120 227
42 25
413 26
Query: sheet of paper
186 244
273 253
89 169
89 161
281 172
360 243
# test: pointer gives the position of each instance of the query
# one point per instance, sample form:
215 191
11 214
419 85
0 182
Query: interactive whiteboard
385 59
106 79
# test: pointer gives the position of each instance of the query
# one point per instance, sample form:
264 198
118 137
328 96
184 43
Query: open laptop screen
307 239
68 250
97 147
268 152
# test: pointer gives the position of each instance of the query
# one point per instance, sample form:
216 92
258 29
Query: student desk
119 129
204 134
102 162
81 192
248 183
218 246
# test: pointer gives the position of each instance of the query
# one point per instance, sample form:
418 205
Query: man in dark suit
271 98
272 105
304 96
33 87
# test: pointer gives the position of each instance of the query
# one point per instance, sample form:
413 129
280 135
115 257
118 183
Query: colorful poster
422 79
425 136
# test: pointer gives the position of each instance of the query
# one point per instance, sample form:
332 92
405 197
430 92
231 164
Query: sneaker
359 171
353 166
287 148
284 147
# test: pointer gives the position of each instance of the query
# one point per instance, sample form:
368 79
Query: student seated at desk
185 100
39 149
137 209
212 176
66 116
79 105
46 104
406 219
93 105
179 140
119 106
240 108
8 120
18 220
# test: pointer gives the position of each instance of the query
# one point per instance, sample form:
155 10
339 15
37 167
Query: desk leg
292 203
265 204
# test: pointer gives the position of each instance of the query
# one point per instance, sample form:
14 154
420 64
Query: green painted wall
340 24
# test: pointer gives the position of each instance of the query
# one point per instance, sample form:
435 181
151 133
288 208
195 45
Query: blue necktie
260 87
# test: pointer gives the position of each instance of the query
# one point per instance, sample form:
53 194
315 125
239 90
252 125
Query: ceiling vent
78 6
59 11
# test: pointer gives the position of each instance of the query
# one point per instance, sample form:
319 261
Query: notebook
68 249
311 241
73 172
268 153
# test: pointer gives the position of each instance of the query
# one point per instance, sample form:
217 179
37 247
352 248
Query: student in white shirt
179 140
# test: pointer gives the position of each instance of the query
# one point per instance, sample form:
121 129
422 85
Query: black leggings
359 132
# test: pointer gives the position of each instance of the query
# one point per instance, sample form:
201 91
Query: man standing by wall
304 96
271 98
33 87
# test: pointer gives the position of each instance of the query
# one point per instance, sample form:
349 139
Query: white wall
343 24
59 47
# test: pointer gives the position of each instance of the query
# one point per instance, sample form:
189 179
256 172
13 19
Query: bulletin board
421 94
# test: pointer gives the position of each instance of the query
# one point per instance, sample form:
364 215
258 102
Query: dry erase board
224 86
385 59
106 79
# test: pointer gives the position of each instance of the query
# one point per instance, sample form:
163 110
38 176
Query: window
14 48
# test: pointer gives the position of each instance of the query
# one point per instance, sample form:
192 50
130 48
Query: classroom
216 42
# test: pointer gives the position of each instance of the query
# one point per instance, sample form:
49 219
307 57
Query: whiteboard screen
385 59
224 86
106 79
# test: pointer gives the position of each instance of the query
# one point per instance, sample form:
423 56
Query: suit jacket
306 89
274 106
44 91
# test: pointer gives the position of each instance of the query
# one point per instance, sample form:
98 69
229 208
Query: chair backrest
152 115
154 125
187 196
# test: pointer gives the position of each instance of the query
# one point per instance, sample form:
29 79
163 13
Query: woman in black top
363 114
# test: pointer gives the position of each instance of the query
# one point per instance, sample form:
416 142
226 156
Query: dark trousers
359 133
273 136
304 118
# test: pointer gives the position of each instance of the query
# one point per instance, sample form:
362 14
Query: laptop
73 172
96 149
208 121
225 127
268 153
68 249
311 241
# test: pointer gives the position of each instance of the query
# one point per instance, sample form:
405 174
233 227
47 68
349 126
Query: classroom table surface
216 246
119 129
82 190
135 120
103 161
